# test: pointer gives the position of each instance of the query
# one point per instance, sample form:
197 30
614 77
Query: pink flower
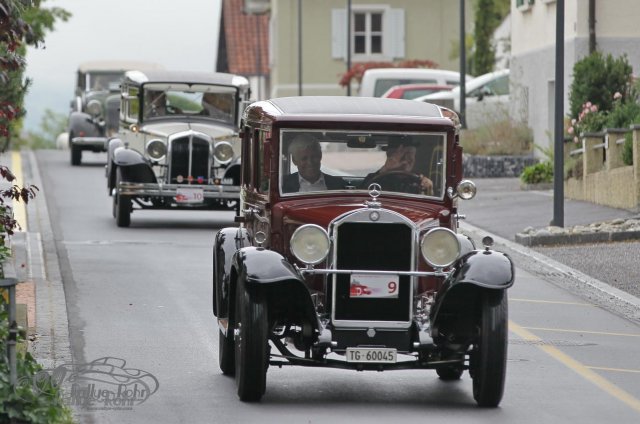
573 121
588 104
617 95
570 130
594 108
576 140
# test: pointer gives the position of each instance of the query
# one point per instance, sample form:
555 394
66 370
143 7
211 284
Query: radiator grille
189 158
373 246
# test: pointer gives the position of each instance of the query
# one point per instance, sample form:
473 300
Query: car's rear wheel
76 152
226 354
489 357
122 205
251 343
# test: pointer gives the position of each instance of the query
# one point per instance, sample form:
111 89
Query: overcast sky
176 34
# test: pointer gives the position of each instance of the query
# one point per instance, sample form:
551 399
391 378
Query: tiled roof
245 35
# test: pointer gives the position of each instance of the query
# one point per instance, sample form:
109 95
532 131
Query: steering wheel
402 181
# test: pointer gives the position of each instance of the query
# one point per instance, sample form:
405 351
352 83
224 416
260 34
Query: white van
375 82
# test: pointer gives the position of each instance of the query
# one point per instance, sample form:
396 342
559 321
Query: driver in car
401 159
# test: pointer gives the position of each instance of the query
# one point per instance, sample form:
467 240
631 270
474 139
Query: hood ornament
374 192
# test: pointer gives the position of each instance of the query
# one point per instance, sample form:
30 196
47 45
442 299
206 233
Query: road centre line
613 369
556 302
602 333
582 370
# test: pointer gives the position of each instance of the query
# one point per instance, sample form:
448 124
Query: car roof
342 105
413 71
116 65
469 86
162 76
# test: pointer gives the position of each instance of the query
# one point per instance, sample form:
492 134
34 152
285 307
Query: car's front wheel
121 204
251 343
489 357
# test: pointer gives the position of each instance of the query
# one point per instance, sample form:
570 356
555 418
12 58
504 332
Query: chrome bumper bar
209 191
314 271
90 141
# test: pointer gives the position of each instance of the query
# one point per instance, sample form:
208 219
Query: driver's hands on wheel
403 158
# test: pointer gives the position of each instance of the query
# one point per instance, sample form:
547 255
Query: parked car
411 91
375 82
348 255
178 145
487 98
94 108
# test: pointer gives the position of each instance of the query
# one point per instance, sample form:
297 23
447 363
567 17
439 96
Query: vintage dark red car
347 254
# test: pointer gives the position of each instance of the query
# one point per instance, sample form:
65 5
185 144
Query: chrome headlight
466 190
310 244
223 152
156 149
94 108
440 247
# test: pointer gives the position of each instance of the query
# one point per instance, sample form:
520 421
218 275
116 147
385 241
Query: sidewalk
501 208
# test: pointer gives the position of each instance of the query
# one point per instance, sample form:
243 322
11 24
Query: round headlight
440 247
156 149
223 152
94 108
466 190
310 244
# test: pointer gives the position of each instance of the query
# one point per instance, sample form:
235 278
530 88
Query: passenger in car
401 160
306 155
217 105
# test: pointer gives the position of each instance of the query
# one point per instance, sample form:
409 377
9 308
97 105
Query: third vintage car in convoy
94 109
348 254
178 144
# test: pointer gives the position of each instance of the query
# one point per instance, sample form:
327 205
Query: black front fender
227 242
134 167
267 271
459 296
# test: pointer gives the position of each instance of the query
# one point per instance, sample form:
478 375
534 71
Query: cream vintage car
178 145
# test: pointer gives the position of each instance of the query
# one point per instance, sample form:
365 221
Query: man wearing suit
306 155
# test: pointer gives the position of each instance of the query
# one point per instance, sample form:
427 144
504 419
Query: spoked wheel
121 205
251 343
489 357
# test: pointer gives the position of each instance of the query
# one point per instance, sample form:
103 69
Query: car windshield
402 162
101 81
197 100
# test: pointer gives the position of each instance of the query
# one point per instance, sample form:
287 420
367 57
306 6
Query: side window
500 86
262 162
132 104
246 156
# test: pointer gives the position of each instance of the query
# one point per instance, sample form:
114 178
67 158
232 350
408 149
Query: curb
563 276
576 238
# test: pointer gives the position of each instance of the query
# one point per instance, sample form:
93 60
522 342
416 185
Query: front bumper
209 191
92 142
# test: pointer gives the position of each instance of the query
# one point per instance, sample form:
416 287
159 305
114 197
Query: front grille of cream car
373 246
189 158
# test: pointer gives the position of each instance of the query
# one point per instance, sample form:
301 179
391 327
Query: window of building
367 33
377 33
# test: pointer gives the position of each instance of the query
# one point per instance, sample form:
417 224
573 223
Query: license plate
374 286
189 195
370 355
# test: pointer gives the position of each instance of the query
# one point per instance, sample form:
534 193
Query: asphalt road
142 295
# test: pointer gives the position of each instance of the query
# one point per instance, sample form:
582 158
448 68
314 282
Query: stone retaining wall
495 166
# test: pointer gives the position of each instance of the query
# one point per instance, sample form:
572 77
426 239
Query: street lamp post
463 67
558 151
349 44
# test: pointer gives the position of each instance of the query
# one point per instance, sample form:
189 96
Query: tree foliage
22 23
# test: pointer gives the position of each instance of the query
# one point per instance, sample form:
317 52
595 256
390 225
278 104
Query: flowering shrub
590 119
